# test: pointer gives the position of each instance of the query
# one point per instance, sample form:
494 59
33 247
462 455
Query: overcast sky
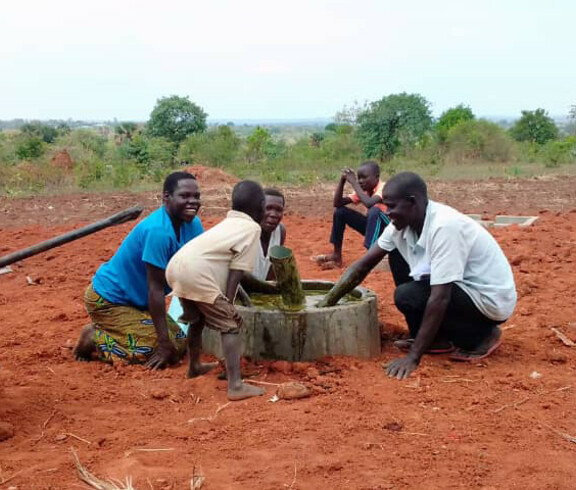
251 59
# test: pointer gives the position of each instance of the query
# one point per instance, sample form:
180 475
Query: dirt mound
211 177
62 160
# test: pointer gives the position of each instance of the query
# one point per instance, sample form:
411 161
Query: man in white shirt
460 285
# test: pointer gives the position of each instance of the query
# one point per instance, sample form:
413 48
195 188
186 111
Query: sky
297 59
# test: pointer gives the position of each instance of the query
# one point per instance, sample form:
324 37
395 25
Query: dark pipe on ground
116 219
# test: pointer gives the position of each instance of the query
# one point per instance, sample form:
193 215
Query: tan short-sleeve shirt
199 270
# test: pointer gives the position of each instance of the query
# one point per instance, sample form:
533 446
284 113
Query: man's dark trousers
371 226
463 324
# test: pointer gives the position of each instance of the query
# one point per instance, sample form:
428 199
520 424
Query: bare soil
500 424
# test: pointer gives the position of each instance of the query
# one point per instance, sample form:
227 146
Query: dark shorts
221 316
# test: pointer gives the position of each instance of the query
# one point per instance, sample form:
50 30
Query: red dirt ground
495 425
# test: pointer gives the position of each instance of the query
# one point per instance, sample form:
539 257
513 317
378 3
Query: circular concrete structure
349 329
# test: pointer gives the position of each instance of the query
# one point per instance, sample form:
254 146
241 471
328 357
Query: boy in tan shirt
205 275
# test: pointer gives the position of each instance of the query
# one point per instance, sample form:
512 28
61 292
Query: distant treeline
398 131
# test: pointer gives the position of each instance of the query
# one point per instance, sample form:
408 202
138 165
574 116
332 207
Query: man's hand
164 355
401 368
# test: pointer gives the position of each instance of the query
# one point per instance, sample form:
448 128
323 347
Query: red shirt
376 191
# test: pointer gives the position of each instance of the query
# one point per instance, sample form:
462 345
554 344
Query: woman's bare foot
201 369
244 391
85 346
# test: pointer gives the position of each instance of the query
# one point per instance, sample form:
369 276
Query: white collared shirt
454 248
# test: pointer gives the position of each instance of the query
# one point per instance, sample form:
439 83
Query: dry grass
96 482
197 480
211 417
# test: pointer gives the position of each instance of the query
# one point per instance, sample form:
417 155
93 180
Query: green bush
7 149
451 118
259 145
218 147
46 133
535 126
479 140
29 147
83 142
558 152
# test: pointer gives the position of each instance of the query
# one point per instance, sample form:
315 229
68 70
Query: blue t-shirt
122 280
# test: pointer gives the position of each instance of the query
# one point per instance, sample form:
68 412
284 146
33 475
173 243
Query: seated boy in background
205 275
368 192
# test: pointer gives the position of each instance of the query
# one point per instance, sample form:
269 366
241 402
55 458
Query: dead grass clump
96 482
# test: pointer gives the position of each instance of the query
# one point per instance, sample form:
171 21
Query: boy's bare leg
195 367
85 346
237 390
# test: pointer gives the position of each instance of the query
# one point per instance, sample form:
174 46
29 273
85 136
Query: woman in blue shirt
126 299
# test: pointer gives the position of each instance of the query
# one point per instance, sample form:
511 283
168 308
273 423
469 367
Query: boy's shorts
221 316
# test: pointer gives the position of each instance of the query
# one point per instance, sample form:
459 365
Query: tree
125 130
535 126
394 121
176 118
451 118
46 133
316 139
258 144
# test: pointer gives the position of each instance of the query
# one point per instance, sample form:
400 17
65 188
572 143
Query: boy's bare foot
324 260
201 369
482 350
244 391
85 346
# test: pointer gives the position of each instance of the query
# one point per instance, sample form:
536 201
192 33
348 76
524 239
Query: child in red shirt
368 192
